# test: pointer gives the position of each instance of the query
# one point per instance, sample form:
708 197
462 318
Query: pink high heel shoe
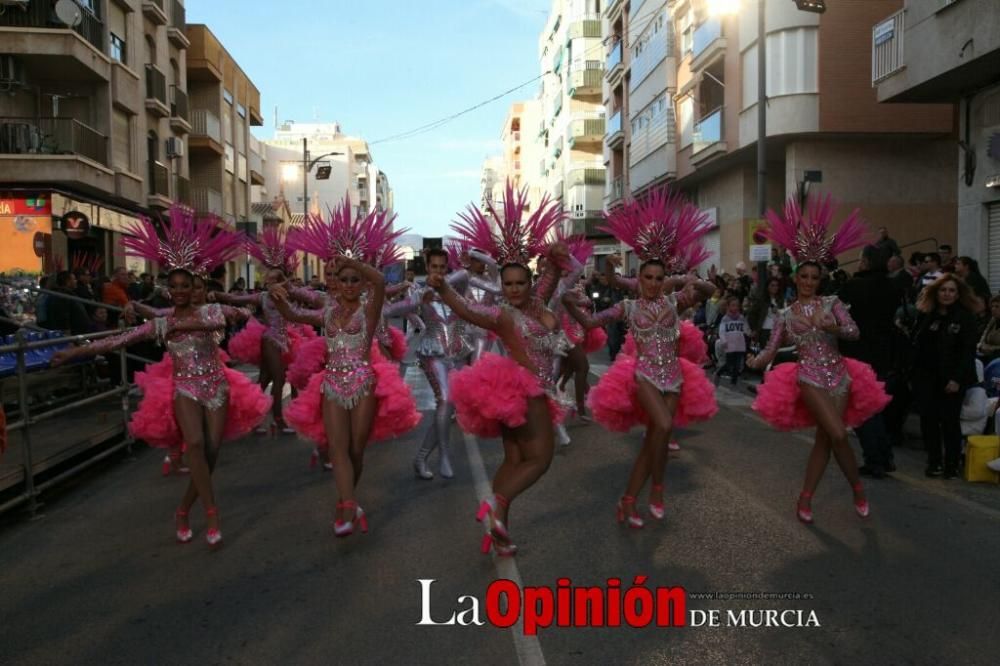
656 509
214 535
861 507
503 549
635 521
184 534
343 528
805 515
174 465
488 507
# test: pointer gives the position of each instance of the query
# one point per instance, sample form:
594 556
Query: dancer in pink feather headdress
203 402
513 397
691 343
823 388
576 366
358 397
655 387
270 345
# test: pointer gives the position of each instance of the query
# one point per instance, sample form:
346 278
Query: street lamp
731 7
289 172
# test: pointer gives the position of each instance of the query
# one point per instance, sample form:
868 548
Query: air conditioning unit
11 69
175 147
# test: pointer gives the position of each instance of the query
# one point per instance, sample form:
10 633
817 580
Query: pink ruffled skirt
245 346
154 422
779 398
395 415
493 393
614 401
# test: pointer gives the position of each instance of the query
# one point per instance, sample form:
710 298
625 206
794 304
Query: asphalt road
99 579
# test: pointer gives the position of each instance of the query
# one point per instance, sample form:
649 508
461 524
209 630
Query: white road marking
528 648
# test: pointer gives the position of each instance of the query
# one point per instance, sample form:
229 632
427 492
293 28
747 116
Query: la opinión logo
563 606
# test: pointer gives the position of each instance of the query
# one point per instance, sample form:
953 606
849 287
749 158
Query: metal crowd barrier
21 347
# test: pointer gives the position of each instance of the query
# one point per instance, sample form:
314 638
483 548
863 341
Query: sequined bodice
195 353
274 321
541 345
444 333
655 328
347 343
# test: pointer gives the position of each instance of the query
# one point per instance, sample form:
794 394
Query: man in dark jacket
66 314
873 298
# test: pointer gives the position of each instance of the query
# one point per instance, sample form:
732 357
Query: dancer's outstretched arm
773 344
615 313
489 317
290 313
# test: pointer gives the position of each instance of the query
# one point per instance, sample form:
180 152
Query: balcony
615 190
126 89
75 44
176 31
52 136
590 28
156 92
708 138
206 132
583 174
183 191
887 47
615 136
586 131
206 200
155 11
708 43
613 65
585 81
589 225
179 115
158 185
256 169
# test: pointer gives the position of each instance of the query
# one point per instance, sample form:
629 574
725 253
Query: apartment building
949 51
572 120
92 125
681 90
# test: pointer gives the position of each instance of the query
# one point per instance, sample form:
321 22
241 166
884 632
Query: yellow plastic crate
979 450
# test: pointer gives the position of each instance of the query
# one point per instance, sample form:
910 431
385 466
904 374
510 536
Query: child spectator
732 335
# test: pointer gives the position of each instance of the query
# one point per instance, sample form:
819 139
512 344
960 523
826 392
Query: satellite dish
68 12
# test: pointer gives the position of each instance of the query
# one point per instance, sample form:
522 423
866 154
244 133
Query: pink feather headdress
810 240
370 239
579 247
272 249
662 226
196 245
515 240
456 248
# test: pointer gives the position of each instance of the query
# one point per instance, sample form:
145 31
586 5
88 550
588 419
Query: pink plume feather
809 239
197 245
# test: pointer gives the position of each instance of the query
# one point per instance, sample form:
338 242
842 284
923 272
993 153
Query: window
228 96
241 111
118 49
686 41
121 141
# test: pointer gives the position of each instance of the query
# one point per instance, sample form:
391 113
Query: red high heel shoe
805 515
635 521
503 549
213 537
173 464
343 528
861 507
656 509
184 534
488 507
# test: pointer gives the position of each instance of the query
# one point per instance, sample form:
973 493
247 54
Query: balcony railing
887 47
587 128
52 136
614 57
159 179
183 192
256 163
206 200
156 84
614 124
206 123
581 81
708 130
616 188
587 28
40 15
704 35
178 103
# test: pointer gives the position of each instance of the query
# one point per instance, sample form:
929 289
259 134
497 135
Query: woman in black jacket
944 367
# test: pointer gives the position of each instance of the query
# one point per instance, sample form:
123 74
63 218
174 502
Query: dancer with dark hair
656 386
823 388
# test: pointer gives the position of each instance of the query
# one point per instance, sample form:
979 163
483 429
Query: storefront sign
76 225
760 253
755 232
22 220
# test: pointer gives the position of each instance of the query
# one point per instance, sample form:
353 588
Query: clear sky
383 67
